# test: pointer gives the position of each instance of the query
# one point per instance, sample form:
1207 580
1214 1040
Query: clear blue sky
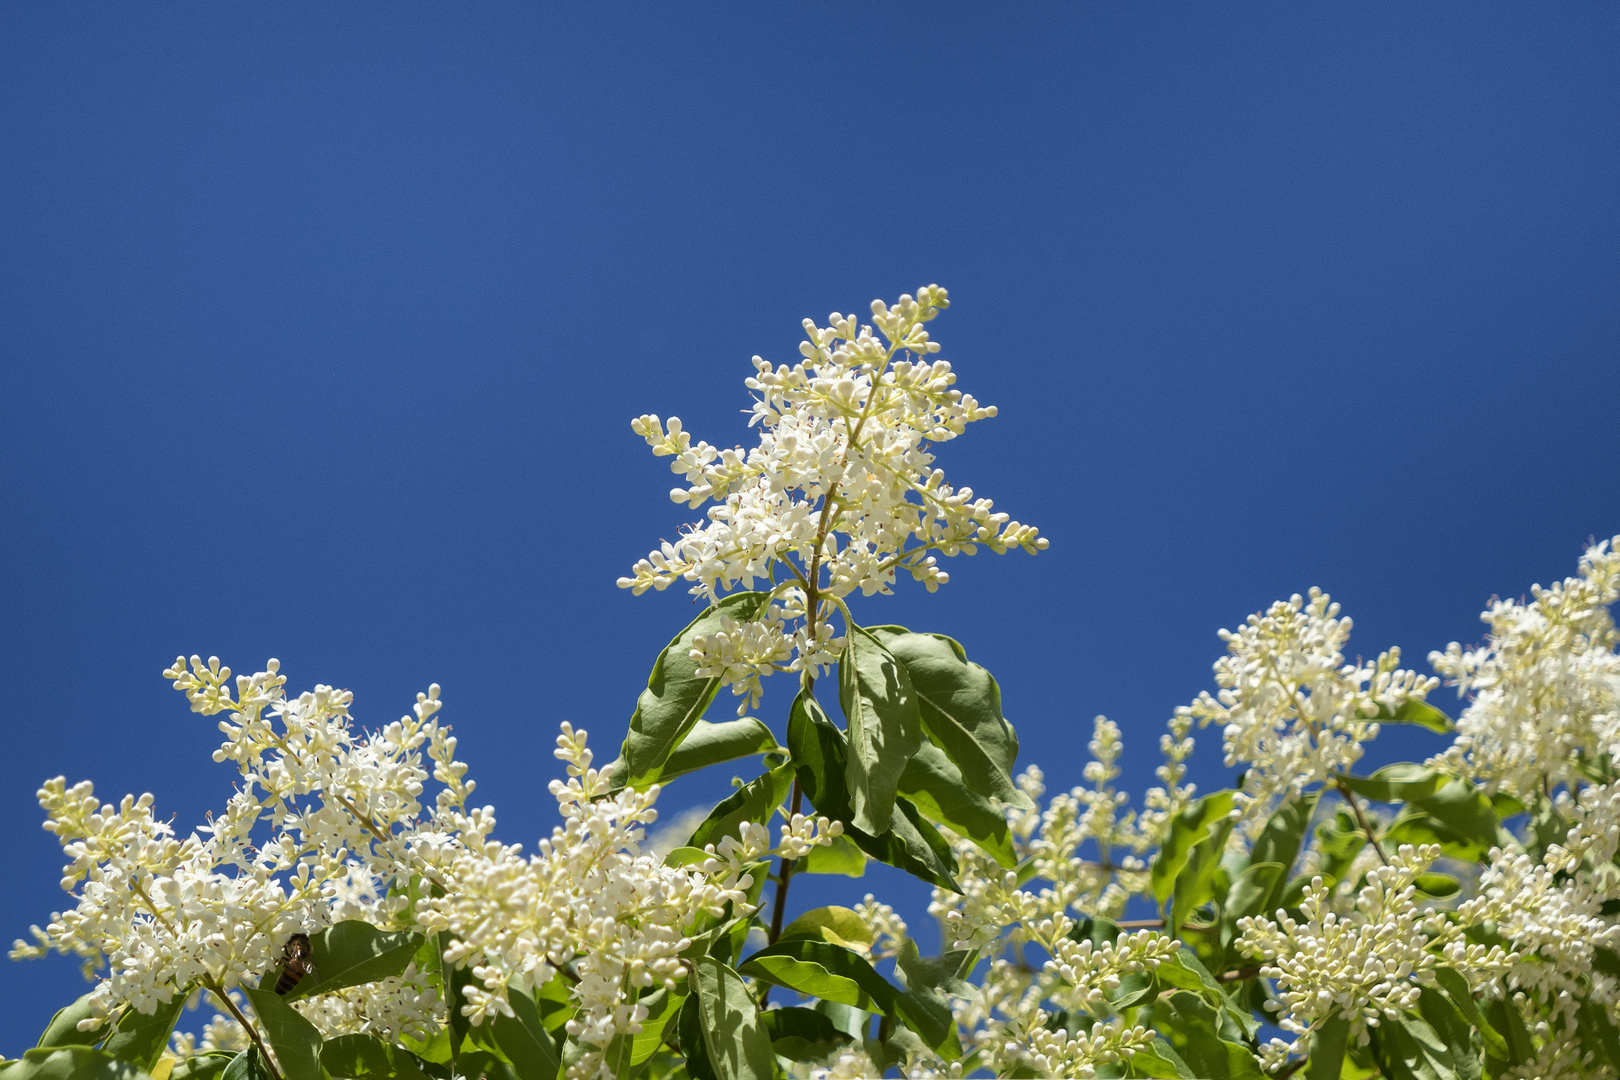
321 327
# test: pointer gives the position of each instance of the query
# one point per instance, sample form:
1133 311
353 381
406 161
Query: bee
297 960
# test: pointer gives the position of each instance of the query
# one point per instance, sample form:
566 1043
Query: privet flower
839 495
1292 711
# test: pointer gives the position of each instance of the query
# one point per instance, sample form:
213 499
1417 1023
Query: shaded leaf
676 695
1280 841
364 1057
1462 996
1247 896
819 753
708 744
247 1065
937 787
209 1066
1455 1031
1400 782
959 705
142 1038
884 727
1408 1048
931 1019
1191 1026
72 1062
1595 1026
1191 826
824 970
1328 1049
296 1041
755 801
352 953
63 1030
739 1047
801 1034
524 1040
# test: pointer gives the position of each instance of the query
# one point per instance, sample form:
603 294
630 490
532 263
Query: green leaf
1338 842
1415 827
365 1057
1191 1026
71 1062
1408 1048
884 727
1463 807
1400 782
931 1018
1191 826
63 1030
1421 713
801 1034
141 1038
247 1065
676 694
524 1040
839 857
738 1046
1437 885
1596 1029
1196 883
943 974
1247 896
959 705
1457 989
1507 1022
1280 840
1185 971
755 801
209 1066
824 970
1159 1061
1328 1048
296 1041
352 953
938 789
1455 1031
839 925
708 744
819 756
662 1009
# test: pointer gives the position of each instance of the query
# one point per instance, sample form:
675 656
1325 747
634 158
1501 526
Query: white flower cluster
592 898
1292 710
840 493
1545 685
324 822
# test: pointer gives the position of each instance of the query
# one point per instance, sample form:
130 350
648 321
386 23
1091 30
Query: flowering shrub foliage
349 913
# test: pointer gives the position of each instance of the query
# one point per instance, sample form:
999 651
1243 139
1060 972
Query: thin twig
1355 807
252 1033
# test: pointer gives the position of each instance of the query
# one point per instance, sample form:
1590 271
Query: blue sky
321 327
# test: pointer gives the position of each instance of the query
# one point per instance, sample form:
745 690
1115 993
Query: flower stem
252 1033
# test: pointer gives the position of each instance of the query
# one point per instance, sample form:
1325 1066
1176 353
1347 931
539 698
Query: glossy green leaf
1454 1030
819 755
1328 1047
72 1062
209 1066
710 744
63 1030
755 801
933 782
801 1034
662 1009
352 953
1408 1048
364 1057
1191 1026
930 1017
738 1045
296 1041
839 925
1400 782
676 695
1159 1061
1420 713
824 970
841 856
1192 826
884 729
524 1040
141 1038
959 705
248 1065
1247 896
